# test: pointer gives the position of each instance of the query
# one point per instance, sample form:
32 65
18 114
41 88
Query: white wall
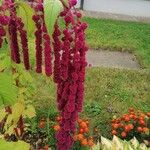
125 7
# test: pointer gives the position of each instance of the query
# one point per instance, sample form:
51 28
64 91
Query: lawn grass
120 35
109 92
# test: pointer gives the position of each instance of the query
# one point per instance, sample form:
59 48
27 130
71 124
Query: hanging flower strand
70 88
15 55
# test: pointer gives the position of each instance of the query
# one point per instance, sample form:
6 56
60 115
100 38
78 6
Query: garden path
112 59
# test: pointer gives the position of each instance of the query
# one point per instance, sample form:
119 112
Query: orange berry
42 124
90 143
56 127
115 126
142 122
145 130
139 129
123 134
59 118
130 126
121 125
81 130
113 132
141 118
148 114
134 117
75 137
80 137
86 130
46 147
142 115
127 118
79 120
83 124
84 142
127 128
131 116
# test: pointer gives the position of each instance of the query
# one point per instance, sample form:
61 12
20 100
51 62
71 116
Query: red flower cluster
57 50
24 42
70 74
42 38
15 55
15 25
38 42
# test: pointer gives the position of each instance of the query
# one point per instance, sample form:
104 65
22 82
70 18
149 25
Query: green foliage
25 12
93 108
8 91
20 145
118 144
65 2
5 62
11 120
120 35
52 8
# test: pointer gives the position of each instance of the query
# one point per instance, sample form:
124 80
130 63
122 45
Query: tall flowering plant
66 44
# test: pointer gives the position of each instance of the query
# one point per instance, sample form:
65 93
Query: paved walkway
106 15
112 59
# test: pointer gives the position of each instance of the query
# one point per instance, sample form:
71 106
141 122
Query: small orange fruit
80 137
84 142
86 130
90 143
81 130
145 130
83 124
148 114
113 132
56 127
130 126
142 122
75 137
42 124
123 134
139 129
127 118
115 126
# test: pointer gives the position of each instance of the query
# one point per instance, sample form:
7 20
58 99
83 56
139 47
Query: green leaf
25 12
8 92
4 62
52 9
17 111
66 2
30 112
20 145
2 114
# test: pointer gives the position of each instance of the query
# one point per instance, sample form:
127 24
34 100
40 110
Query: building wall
140 8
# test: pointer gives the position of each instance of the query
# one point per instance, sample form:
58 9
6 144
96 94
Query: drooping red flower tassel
24 42
70 88
57 49
15 55
38 42
47 52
